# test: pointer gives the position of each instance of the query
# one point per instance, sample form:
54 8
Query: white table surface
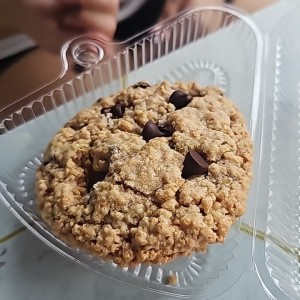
31 270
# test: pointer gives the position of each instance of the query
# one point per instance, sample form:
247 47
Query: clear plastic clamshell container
277 219
213 46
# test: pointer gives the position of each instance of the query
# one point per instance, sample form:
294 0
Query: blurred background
32 32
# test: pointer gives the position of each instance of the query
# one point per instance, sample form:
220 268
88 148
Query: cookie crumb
171 280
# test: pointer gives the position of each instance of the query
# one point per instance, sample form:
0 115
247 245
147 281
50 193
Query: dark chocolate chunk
141 84
94 177
166 129
194 164
166 132
180 99
118 110
204 156
151 131
202 212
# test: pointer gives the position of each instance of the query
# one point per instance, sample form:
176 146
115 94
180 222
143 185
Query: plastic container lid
212 45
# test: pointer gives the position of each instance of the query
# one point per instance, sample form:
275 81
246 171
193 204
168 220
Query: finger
87 20
171 8
45 4
107 6
45 7
195 3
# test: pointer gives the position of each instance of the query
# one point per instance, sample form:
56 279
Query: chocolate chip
180 99
118 110
166 129
202 212
141 84
151 131
194 164
203 155
94 177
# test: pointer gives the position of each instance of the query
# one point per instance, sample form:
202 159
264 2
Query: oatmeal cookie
148 174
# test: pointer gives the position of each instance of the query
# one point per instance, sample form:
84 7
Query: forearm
250 6
7 15
172 7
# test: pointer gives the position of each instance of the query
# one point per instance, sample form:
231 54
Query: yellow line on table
11 235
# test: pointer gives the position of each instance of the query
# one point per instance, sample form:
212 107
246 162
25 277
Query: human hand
52 22
173 7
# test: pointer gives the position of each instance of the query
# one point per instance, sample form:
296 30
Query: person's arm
251 6
172 7
50 22
6 26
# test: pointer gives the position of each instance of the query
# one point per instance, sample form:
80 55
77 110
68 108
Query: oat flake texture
106 190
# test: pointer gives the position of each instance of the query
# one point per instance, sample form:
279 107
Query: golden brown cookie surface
148 174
